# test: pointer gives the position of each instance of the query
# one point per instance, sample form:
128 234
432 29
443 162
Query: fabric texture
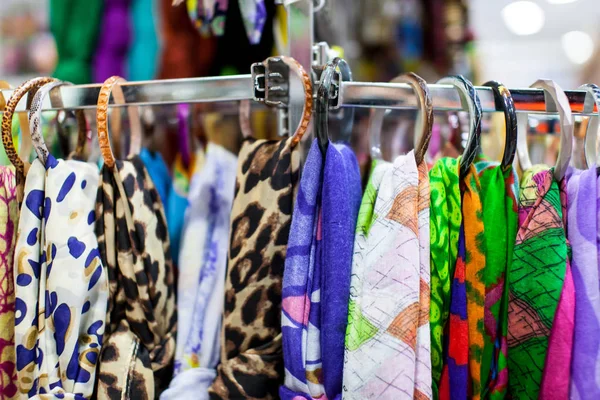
254 14
201 284
251 349
159 173
9 218
583 193
137 358
142 58
536 279
500 218
385 310
317 275
446 218
61 284
110 56
75 25
208 15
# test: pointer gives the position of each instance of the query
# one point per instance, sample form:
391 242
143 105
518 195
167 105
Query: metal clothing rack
301 47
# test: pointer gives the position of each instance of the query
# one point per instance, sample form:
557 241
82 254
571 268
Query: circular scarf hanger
307 109
561 104
112 85
468 93
592 98
20 165
425 120
504 101
35 122
322 104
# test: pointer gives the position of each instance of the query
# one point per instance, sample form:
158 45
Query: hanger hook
558 102
592 98
114 84
324 92
468 93
505 102
31 85
422 135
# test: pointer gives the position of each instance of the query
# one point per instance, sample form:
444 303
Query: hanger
114 84
504 100
35 123
468 93
425 122
556 100
592 98
21 166
322 104
296 67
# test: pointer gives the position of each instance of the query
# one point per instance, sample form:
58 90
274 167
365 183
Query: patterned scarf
500 218
61 285
9 218
383 344
251 352
300 293
536 279
201 283
583 194
254 14
137 358
445 217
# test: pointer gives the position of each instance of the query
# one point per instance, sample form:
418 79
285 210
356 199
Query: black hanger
504 101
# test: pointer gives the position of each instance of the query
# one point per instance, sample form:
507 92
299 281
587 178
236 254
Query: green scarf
75 25
445 220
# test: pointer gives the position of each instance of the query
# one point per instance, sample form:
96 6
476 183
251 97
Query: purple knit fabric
113 42
583 202
342 193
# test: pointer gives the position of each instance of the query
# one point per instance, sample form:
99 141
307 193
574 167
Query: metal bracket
272 82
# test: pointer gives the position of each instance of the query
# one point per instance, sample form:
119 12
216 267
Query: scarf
113 43
143 53
583 191
382 341
445 220
499 201
159 173
9 217
251 348
254 14
536 279
137 358
200 291
59 272
75 25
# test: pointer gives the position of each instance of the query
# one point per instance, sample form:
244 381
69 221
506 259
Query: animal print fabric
9 218
60 282
137 359
251 349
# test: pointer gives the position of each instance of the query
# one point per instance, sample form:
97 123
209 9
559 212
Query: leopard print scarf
251 353
137 357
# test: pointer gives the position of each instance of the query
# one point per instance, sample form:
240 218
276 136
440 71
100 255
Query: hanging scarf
536 279
445 217
385 310
583 191
75 25
137 358
9 217
143 52
159 173
59 272
200 291
254 14
499 198
300 294
208 15
251 352
113 42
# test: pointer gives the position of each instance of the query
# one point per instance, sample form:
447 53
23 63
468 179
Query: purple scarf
583 201
113 43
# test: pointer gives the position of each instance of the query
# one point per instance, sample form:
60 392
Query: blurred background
512 41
